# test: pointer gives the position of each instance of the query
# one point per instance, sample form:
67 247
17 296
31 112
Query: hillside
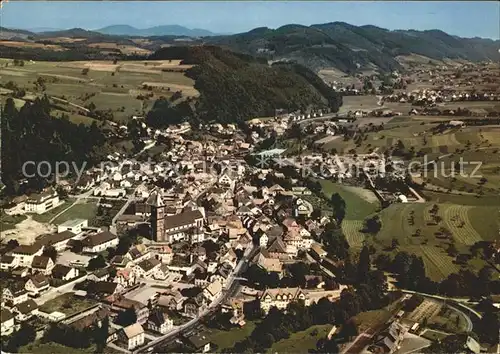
234 87
347 47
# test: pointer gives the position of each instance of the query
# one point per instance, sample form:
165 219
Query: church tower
157 215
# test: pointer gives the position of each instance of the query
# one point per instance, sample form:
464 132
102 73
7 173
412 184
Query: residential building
24 254
123 304
281 297
8 324
14 293
41 202
42 264
199 343
146 268
159 321
64 272
213 290
37 284
25 310
8 262
389 340
132 336
99 242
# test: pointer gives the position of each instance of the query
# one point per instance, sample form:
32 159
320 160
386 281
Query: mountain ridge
162 30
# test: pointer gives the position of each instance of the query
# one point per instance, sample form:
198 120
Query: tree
96 263
127 317
373 224
349 330
363 265
339 207
25 335
50 252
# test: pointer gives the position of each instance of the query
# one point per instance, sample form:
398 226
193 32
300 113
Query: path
231 287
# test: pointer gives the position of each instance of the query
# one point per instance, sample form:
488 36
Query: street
231 288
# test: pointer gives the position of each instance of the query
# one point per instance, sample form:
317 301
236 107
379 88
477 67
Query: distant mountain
166 30
348 47
44 29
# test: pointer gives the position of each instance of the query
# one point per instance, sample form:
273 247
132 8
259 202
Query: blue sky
466 19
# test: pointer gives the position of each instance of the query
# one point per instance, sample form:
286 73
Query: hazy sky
466 19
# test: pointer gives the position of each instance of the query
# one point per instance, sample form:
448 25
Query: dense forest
234 87
348 47
32 134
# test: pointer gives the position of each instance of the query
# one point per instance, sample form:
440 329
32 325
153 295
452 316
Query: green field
46 217
108 86
465 224
301 342
227 339
365 320
66 303
360 204
54 348
78 211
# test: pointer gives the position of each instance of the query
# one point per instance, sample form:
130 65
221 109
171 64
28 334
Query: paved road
232 287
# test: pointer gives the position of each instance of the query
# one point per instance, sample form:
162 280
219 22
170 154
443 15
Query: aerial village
216 224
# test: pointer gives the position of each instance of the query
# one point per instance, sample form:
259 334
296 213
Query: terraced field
354 236
466 225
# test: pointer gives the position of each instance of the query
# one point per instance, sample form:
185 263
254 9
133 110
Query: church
184 226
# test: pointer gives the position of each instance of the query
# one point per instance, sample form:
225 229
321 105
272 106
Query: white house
132 335
213 290
146 268
41 202
99 242
65 273
37 284
25 310
75 226
159 321
24 254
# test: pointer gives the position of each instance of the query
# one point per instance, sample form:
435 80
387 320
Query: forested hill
348 47
32 134
234 87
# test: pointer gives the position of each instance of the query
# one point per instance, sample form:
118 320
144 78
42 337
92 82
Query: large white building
75 226
41 202
99 242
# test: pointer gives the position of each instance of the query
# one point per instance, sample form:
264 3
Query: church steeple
157 215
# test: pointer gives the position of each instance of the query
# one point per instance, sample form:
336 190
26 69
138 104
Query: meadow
419 231
107 85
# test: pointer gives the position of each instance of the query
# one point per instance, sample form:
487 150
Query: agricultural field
360 204
107 85
421 231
